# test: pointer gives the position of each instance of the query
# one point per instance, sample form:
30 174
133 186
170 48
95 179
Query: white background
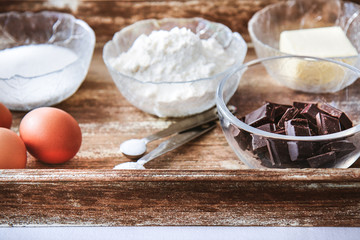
175 233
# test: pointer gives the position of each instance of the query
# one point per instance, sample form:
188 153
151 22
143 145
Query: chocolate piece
299 151
242 138
341 148
258 143
278 152
261 116
297 127
290 113
345 122
327 124
310 111
301 105
322 160
330 110
279 110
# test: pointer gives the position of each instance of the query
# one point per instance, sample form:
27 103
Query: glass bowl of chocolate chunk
326 29
277 127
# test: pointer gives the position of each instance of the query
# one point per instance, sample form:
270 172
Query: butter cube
314 76
317 42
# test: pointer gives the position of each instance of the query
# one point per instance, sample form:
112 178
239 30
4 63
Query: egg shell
51 135
12 150
5 116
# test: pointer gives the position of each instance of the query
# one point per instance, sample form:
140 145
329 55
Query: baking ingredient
170 57
51 135
5 116
317 42
173 56
133 148
12 150
299 119
312 76
34 60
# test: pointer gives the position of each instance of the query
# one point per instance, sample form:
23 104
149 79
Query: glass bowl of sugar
45 58
324 29
171 67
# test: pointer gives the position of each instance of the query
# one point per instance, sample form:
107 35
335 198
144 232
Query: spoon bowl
133 148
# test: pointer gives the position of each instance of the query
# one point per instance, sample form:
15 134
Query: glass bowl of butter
171 67
324 29
45 57
278 127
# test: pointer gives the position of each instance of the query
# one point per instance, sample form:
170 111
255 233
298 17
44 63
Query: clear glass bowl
152 98
25 28
257 87
266 25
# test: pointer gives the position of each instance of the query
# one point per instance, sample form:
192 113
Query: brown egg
12 150
5 116
51 135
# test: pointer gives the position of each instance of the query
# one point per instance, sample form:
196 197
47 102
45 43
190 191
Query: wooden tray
202 183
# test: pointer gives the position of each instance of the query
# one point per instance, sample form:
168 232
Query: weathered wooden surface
108 17
197 198
202 183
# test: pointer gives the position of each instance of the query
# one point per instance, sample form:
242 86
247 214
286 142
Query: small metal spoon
168 145
135 148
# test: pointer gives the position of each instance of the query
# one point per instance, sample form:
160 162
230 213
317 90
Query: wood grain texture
201 183
108 17
172 198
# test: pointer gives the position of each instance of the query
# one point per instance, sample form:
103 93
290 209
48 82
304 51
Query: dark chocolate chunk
297 127
330 110
345 122
261 116
290 113
299 151
278 152
279 111
322 160
241 137
301 105
258 143
341 148
310 111
327 124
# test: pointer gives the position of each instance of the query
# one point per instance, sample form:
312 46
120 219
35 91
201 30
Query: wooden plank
172 198
202 183
107 17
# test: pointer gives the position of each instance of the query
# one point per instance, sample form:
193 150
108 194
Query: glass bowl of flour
45 57
172 67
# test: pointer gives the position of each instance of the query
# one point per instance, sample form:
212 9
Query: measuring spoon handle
176 141
186 124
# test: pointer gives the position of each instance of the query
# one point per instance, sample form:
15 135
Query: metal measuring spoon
135 148
168 145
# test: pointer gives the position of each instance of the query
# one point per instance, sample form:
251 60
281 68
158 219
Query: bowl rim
222 108
76 21
254 38
235 35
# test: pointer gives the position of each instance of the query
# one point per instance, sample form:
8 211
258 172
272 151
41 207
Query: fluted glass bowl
266 25
263 149
172 99
25 92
